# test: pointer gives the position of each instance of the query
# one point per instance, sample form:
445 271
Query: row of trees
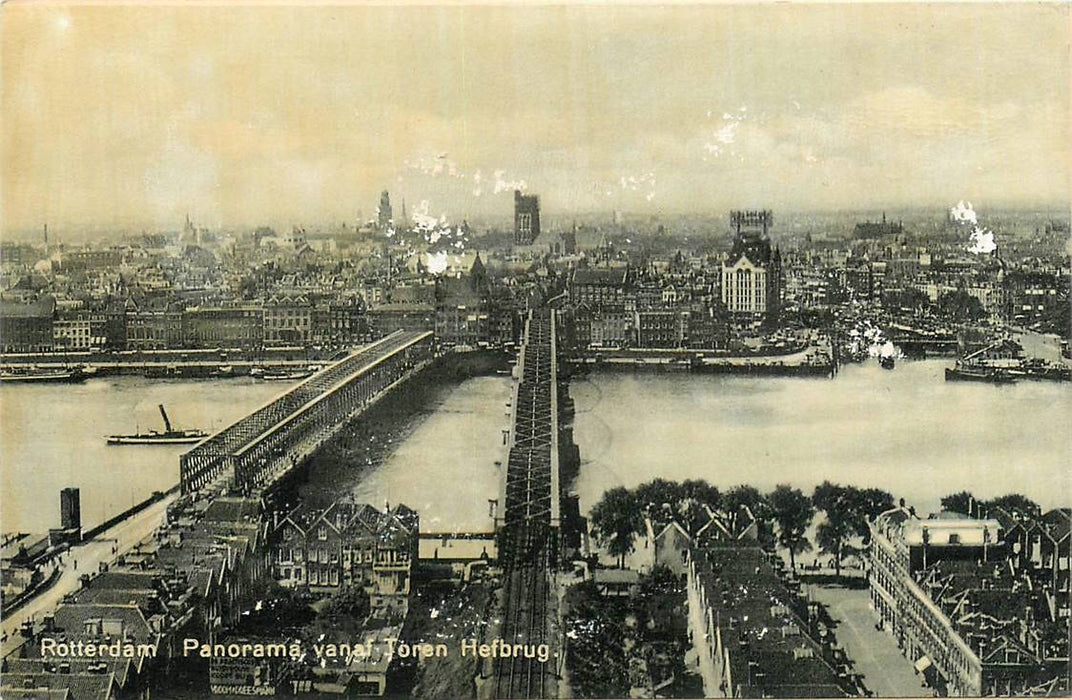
618 517
1014 503
784 515
846 511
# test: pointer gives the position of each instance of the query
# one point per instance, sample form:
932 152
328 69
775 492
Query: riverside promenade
85 558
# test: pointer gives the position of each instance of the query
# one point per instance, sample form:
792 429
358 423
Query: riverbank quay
173 369
204 364
58 551
80 562
814 360
183 364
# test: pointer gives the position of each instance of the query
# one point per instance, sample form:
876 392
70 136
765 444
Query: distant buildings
873 230
462 307
526 218
384 215
980 607
27 327
1033 297
603 306
600 286
752 276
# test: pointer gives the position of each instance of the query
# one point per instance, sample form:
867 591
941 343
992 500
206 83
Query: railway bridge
529 524
255 452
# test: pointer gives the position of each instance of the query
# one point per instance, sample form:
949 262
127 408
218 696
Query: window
322 533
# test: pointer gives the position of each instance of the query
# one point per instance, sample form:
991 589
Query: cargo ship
283 375
170 436
969 373
44 376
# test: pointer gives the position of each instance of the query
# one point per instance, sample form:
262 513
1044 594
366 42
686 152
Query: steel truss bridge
253 453
529 524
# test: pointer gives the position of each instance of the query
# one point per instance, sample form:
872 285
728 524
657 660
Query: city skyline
130 117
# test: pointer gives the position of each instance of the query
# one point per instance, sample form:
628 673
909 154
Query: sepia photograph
478 350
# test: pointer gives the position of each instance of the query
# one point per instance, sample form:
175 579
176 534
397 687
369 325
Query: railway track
528 535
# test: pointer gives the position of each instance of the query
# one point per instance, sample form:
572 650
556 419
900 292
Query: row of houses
194 578
754 631
462 310
756 634
980 606
1021 296
613 306
189 579
349 545
155 324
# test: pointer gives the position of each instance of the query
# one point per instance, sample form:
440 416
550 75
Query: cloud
503 184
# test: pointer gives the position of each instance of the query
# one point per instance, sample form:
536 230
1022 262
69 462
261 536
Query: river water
51 437
446 467
907 431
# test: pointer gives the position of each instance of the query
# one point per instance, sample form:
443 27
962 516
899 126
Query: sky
132 116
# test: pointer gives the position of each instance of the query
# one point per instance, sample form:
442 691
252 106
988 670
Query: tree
842 520
832 536
698 498
848 510
960 306
1017 504
960 502
616 520
874 502
659 497
748 496
702 492
745 496
792 511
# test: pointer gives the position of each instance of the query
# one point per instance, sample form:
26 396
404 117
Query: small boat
285 376
170 435
44 376
887 355
964 373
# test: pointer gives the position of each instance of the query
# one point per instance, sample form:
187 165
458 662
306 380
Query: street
885 671
89 555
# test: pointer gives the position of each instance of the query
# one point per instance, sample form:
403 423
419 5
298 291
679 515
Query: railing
267 429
